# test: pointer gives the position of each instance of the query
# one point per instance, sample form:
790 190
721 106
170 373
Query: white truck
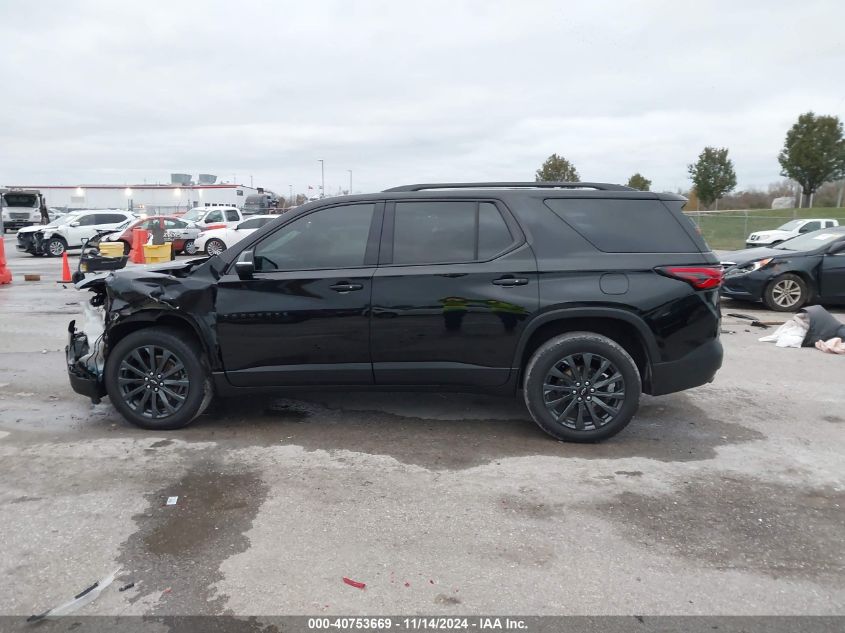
787 231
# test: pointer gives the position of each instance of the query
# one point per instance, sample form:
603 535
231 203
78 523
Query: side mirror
837 248
74 223
245 266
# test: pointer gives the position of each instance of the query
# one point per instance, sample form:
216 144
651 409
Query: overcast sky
399 92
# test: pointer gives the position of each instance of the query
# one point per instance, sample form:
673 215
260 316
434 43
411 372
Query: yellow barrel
155 254
111 249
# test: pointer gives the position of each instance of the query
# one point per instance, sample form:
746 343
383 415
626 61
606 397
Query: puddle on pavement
739 522
182 546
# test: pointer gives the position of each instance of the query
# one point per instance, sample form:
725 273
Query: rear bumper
693 370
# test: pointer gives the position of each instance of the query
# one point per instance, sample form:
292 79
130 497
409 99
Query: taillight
699 277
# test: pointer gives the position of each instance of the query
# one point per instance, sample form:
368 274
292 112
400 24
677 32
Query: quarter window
436 232
330 238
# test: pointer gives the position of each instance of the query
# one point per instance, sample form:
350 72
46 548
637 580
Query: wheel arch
626 329
158 318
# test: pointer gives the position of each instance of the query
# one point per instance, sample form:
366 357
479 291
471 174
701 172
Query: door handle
344 287
509 282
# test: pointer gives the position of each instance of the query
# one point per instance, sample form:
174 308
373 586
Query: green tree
814 152
712 174
557 169
638 181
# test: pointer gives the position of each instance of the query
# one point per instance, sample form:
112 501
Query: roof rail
601 186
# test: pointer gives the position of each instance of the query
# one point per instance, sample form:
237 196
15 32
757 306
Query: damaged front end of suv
179 295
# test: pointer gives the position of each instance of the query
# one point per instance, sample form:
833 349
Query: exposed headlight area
750 268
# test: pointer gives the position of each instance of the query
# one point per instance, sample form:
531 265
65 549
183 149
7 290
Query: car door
302 318
81 229
232 217
832 274
455 285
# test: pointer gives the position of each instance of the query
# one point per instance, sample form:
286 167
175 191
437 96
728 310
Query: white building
147 198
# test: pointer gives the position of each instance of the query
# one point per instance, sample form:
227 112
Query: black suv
581 295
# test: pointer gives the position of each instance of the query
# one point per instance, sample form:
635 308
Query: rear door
303 317
455 286
832 276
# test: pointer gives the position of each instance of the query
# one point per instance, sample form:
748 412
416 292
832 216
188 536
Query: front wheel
55 247
157 379
190 248
786 293
214 247
582 387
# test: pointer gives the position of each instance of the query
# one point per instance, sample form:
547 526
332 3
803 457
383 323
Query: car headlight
753 266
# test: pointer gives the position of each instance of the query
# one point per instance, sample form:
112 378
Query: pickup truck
206 218
787 231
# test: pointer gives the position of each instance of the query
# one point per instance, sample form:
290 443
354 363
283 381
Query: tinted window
109 218
174 224
625 226
88 220
331 238
232 216
810 226
493 233
434 232
213 216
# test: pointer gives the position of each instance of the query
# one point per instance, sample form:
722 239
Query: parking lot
726 499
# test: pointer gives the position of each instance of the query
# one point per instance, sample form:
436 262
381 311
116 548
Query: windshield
791 225
29 200
193 215
810 241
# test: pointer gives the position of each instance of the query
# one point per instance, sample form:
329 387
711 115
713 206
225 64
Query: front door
304 316
832 278
455 286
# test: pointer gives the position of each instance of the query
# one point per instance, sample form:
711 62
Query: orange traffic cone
139 238
5 273
66 279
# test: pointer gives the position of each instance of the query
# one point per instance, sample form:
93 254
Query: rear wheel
786 293
214 246
190 248
55 247
158 379
582 387
127 247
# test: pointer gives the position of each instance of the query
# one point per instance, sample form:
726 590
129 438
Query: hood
743 257
772 233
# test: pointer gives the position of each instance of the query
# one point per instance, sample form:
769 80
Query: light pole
322 177
350 181
290 197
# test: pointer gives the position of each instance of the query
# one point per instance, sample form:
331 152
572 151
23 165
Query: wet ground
726 499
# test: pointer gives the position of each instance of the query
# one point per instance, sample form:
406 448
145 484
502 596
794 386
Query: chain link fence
728 230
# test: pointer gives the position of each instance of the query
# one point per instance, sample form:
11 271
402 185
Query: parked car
213 217
807 268
581 295
215 241
176 230
787 231
69 231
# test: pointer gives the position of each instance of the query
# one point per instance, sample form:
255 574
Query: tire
190 248
55 247
186 363
214 246
560 412
786 293
127 247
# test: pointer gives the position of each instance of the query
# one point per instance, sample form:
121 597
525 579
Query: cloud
404 92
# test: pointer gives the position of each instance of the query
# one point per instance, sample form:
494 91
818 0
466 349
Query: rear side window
439 232
624 226
232 216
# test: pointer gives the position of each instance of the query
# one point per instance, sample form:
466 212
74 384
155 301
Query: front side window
440 232
330 238
214 216
87 220
811 226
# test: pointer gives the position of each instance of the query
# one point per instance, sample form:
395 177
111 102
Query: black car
581 295
810 267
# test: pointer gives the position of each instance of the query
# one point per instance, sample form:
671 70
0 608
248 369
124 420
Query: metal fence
728 230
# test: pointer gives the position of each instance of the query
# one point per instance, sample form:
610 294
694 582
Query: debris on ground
31 277
354 583
754 320
127 586
171 501
728 332
79 600
813 326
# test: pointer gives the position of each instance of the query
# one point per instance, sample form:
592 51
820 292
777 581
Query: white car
213 217
216 241
791 229
70 231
